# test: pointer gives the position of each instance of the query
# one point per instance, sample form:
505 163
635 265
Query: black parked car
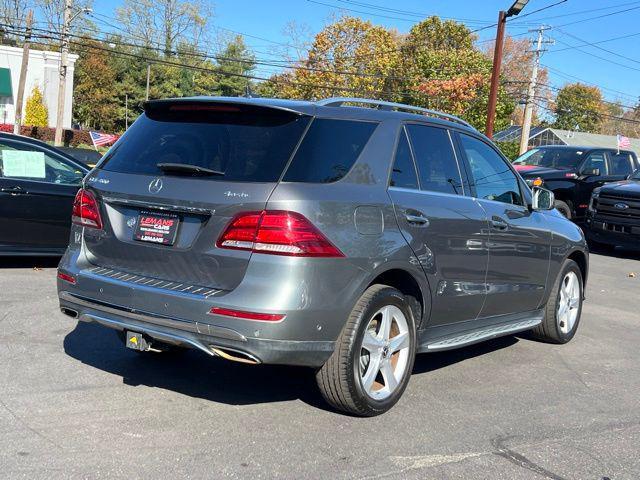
613 217
572 173
38 183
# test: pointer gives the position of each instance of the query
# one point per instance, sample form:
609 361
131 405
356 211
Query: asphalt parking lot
75 404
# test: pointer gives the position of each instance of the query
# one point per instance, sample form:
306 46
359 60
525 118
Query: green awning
5 83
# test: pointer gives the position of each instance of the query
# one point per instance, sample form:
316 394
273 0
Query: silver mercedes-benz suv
346 235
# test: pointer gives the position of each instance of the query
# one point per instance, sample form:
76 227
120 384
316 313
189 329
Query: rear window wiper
188 169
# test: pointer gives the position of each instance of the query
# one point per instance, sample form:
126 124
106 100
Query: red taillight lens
85 210
67 278
261 317
277 232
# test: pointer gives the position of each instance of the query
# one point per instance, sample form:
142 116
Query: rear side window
329 150
247 143
435 159
404 171
620 163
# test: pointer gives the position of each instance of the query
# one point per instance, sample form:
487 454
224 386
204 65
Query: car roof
316 109
577 147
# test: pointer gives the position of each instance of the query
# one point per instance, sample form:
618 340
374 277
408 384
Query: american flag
623 142
100 139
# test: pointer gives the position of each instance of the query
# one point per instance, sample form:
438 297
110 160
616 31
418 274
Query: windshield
551 158
240 143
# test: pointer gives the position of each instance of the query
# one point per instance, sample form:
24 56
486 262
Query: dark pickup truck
613 217
572 173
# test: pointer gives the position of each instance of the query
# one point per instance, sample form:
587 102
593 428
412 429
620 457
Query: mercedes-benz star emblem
155 186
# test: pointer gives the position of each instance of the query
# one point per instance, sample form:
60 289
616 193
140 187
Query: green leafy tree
36 112
440 69
579 106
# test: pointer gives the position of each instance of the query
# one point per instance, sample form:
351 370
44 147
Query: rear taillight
260 317
277 232
85 210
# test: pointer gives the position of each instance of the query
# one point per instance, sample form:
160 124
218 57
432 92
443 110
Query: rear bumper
613 231
217 341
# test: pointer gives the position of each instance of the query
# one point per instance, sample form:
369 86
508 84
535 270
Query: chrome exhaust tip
234 355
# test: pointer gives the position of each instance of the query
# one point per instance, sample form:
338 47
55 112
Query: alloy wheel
569 302
384 354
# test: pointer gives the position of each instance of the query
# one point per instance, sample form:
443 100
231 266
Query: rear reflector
85 210
277 232
261 317
67 278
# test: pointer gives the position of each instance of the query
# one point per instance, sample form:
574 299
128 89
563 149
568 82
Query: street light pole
495 73
515 9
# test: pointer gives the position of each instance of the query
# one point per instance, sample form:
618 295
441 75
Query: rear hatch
173 182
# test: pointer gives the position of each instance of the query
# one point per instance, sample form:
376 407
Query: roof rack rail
382 105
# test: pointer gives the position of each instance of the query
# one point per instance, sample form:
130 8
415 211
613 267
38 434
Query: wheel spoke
372 371
385 326
389 376
370 342
399 342
574 302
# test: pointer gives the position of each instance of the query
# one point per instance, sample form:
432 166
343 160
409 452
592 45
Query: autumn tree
234 65
440 69
515 73
348 57
579 106
36 112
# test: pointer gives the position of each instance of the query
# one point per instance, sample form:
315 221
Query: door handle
417 219
499 224
14 190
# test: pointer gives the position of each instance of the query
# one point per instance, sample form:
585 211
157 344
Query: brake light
261 317
277 232
85 210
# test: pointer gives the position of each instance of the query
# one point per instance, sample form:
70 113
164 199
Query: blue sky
620 80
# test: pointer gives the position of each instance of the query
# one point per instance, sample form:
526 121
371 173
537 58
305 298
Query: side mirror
591 172
543 199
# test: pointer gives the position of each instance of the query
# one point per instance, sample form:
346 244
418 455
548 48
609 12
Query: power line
624 65
595 45
581 12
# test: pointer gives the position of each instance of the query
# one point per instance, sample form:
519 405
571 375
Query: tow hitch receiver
136 341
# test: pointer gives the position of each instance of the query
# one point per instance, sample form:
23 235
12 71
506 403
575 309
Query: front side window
491 176
26 162
620 163
404 170
435 159
551 157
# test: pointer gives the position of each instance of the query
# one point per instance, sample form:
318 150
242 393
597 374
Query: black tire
564 209
550 329
339 378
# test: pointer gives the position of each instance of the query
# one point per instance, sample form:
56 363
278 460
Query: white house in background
43 71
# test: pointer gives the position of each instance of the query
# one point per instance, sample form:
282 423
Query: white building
43 72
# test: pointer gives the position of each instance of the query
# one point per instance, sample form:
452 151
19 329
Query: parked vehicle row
596 187
320 234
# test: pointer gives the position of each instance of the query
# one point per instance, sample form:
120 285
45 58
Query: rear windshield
551 157
247 143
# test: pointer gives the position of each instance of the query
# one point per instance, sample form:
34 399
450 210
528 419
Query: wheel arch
407 283
582 260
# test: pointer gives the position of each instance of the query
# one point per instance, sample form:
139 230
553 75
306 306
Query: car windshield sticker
18 163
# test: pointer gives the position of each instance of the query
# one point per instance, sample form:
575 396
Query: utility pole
531 92
64 63
23 74
148 75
